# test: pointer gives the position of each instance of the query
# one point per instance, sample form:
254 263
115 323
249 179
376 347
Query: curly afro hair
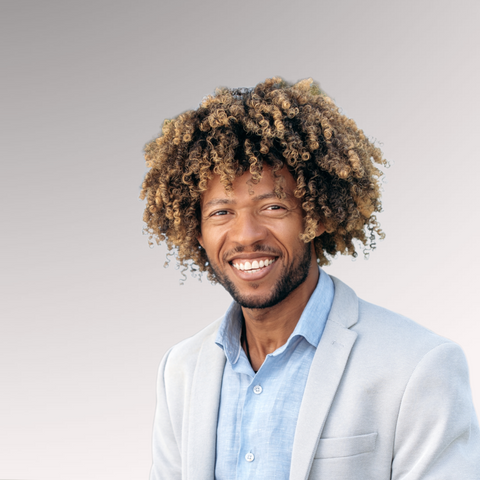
240 130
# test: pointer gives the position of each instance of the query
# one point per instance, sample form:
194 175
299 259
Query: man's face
252 239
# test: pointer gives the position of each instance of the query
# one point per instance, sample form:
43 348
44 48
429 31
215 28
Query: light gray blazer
385 399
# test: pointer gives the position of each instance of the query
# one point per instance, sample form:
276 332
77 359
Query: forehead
243 187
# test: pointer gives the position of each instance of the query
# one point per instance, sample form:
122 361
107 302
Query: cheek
291 232
211 243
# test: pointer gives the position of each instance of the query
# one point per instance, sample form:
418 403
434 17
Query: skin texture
251 223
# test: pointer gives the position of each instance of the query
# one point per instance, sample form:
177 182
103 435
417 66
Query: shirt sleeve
167 462
437 434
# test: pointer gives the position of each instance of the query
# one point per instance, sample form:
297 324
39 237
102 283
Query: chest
258 414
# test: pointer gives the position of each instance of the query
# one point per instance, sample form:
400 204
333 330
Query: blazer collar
344 310
325 374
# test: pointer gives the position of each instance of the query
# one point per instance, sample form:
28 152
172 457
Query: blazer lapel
324 378
204 404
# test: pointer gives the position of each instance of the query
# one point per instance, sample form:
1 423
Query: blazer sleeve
437 434
167 462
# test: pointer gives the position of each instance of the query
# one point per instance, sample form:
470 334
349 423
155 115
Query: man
300 379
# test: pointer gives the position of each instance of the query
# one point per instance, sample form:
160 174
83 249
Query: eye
219 213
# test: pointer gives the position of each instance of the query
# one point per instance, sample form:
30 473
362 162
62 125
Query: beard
293 276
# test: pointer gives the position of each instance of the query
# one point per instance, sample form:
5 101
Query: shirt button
257 389
249 457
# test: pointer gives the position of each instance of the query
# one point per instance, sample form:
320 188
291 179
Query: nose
247 230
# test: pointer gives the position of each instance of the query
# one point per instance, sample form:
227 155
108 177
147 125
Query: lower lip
251 276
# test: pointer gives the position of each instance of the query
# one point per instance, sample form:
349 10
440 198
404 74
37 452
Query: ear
320 229
200 240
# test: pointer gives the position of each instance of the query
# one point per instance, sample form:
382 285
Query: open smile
253 268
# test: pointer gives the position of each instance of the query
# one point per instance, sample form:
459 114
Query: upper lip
252 256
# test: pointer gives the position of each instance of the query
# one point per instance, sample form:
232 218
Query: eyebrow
257 198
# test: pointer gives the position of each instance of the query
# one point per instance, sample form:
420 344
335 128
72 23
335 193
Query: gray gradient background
87 308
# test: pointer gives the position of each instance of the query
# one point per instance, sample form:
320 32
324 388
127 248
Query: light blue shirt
258 412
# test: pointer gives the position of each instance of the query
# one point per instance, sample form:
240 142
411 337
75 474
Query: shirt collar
310 325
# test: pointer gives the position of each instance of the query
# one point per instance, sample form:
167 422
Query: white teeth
254 266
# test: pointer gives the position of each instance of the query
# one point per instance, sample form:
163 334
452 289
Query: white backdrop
87 308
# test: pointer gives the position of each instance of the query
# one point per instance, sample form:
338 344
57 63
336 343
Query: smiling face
251 238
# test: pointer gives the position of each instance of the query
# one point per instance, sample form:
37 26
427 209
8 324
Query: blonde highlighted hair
240 130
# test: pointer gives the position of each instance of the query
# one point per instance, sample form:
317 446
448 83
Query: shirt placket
252 449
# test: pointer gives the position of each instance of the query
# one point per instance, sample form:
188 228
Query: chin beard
292 277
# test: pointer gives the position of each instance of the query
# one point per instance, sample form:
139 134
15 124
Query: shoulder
185 354
395 334
393 355
188 350
407 357
386 341
380 328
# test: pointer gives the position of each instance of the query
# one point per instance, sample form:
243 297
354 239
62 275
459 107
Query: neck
269 328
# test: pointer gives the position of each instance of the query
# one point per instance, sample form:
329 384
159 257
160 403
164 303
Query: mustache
254 249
